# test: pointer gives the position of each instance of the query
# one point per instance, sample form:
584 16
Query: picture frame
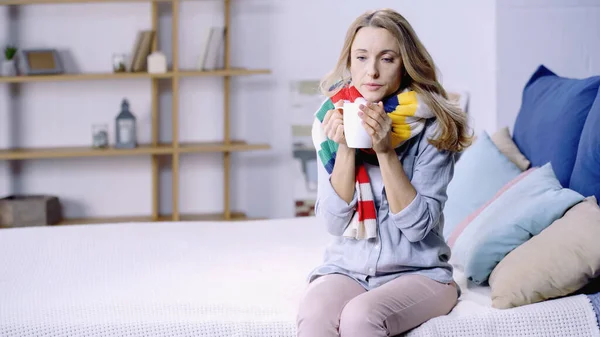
41 62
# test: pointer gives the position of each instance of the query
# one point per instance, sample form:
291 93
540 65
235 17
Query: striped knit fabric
408 119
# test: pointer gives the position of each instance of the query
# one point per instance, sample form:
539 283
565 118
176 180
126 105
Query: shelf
161 149
129 75
43 2
235 146
235 216
223 72
83 151
81 77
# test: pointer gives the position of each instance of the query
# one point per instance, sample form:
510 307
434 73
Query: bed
212 279
156 279
245 279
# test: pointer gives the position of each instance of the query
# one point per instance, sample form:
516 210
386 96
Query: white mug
355 133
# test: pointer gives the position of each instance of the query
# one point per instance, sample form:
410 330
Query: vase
9 68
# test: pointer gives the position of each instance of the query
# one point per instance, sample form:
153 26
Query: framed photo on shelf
41 62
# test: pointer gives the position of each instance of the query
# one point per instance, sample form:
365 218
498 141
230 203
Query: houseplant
9 67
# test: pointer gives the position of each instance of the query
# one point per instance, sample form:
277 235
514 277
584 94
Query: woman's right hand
333 124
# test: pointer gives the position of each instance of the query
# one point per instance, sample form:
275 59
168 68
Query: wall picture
306 99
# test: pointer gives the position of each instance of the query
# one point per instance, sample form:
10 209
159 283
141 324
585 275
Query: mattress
197 279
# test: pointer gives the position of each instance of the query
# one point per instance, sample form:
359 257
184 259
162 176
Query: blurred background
485 50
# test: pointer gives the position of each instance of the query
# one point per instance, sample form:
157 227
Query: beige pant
336 305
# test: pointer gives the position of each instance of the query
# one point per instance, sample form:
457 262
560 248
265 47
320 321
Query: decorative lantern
125 127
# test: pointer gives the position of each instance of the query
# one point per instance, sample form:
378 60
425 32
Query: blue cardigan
408 242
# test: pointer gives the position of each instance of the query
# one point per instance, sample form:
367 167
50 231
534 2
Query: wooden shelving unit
155 149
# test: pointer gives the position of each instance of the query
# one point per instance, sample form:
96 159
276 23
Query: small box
29 210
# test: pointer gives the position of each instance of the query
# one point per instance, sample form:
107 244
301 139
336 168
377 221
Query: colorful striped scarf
408 116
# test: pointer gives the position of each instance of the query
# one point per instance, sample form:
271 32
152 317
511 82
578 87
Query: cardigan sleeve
432 173
336 212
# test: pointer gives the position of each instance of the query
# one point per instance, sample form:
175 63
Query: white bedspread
201 279
474 316
156 279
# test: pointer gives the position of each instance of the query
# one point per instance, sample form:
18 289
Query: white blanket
474 316
156 279
204 279
571 316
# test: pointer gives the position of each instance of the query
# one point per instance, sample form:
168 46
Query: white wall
564 35
305 40
297 39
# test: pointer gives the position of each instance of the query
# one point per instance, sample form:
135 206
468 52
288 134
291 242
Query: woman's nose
372 70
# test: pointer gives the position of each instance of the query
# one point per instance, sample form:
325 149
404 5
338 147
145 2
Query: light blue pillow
521 212
481 172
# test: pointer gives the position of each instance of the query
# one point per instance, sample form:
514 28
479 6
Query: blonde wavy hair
418 74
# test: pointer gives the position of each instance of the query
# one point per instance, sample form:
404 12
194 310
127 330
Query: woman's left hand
378 124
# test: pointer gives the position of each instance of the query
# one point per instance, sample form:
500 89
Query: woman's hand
333 124
378 124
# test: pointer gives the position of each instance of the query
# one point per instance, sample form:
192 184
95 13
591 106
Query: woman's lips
373 86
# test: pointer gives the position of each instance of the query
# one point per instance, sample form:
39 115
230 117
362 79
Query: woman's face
375 63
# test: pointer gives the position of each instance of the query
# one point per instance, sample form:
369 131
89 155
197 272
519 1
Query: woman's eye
388 59
360 58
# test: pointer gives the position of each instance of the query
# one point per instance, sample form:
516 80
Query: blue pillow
553 112
481 172
523 211
586 172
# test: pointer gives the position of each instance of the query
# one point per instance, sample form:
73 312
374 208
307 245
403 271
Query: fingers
327 117
334 125
376 121
371 120
332 112
372 131
373 115
339 134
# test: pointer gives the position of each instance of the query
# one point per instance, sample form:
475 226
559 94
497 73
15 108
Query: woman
387 268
